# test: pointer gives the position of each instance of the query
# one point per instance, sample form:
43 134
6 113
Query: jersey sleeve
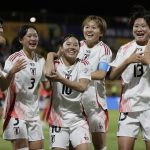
85 71
107 57
8 65
119 59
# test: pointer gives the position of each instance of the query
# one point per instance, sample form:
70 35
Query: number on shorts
17 121
56 129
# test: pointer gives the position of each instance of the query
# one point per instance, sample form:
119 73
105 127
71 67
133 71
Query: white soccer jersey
96 94
21 100
136 80
66 108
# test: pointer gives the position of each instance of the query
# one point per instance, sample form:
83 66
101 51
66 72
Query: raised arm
49 64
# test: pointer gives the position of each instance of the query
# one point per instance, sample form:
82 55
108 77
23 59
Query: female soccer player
133 65
22 121
71 78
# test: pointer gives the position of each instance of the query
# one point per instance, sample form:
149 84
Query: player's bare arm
80 86
117 71
49 64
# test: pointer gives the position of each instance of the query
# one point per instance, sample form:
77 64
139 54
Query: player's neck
68 62
29 54
91 44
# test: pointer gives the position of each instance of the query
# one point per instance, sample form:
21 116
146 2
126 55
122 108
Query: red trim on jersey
10 104
124 104
107 49
52 118
106 120
85 61
16 54
126 46
84 114
49 105
107 52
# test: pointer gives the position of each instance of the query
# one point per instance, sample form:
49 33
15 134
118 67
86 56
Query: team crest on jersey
32 64
87 54
68 74
85 70
33 71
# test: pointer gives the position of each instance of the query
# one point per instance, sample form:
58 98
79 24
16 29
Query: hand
145 59
55 76
134 57
18 65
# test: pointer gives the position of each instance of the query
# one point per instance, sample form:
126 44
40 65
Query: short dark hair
138 11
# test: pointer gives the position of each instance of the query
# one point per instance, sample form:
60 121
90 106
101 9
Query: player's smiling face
141 31
70 49
91 32
30 40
